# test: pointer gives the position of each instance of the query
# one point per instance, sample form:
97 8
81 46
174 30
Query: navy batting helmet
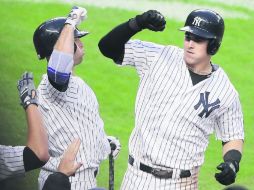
46 35
206 24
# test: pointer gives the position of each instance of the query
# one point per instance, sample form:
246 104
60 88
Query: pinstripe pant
136 179
87 181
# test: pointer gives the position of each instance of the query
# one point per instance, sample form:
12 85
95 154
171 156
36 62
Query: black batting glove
228 173
27 90
152 20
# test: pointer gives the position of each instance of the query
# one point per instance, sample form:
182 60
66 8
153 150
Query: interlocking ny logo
197 20
208 108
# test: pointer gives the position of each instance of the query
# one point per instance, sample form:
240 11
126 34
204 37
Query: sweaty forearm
112 44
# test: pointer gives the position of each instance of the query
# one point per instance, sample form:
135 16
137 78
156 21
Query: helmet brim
80 34
198 31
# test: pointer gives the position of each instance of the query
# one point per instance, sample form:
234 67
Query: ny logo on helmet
197 20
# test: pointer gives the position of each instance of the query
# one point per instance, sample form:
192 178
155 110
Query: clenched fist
76 16
152 20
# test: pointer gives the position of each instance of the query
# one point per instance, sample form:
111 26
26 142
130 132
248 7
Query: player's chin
189 59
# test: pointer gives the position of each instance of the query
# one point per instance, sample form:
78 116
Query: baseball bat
111 167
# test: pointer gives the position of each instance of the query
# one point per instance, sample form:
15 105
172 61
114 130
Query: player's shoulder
220 73
174 48
222 78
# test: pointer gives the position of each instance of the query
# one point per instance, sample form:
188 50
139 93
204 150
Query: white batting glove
76 16
115 146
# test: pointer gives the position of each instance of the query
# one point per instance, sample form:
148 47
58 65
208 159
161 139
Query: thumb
220 167
77 166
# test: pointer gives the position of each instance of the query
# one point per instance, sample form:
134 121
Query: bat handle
111 172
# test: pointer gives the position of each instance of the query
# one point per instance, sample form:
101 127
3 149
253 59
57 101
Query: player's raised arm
36 153
112 44
56 40
62 58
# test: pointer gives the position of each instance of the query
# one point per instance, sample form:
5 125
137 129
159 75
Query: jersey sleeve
140 54
11 161
230 123
52 164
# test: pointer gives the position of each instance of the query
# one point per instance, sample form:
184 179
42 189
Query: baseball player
183 97
15 161
68 105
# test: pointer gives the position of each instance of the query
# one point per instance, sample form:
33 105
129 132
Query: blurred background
116 87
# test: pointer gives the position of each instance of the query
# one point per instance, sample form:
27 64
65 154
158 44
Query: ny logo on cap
197 20
207 107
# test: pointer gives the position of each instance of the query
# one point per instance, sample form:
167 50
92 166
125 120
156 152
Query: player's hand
152 20
27 90
68 165
76 16
114 145
228 173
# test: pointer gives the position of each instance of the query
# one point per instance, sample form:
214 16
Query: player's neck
204 68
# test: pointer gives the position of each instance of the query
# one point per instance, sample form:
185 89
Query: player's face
195 49
79 53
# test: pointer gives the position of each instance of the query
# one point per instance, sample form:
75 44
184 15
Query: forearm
234 144
112 44
232 153
61 60
65 42
37 139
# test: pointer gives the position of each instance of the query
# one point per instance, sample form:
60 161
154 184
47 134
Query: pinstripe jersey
11 161
69 115
173 118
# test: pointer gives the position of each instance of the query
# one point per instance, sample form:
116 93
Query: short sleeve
141 55
11 161
230 123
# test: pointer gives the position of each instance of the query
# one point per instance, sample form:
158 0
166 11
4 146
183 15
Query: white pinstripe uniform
69 115
174 118
11 162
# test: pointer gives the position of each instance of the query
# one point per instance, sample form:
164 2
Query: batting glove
228 173
115 146
27 90
152 20
76 16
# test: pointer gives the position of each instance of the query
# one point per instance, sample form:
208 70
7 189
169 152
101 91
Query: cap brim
198 32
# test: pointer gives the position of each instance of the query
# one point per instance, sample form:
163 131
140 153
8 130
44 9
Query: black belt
165 174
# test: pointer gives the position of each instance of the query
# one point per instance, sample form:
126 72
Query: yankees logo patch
207 107
197 21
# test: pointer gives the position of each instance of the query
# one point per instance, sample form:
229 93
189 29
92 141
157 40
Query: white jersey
174 118
11 162
69 115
